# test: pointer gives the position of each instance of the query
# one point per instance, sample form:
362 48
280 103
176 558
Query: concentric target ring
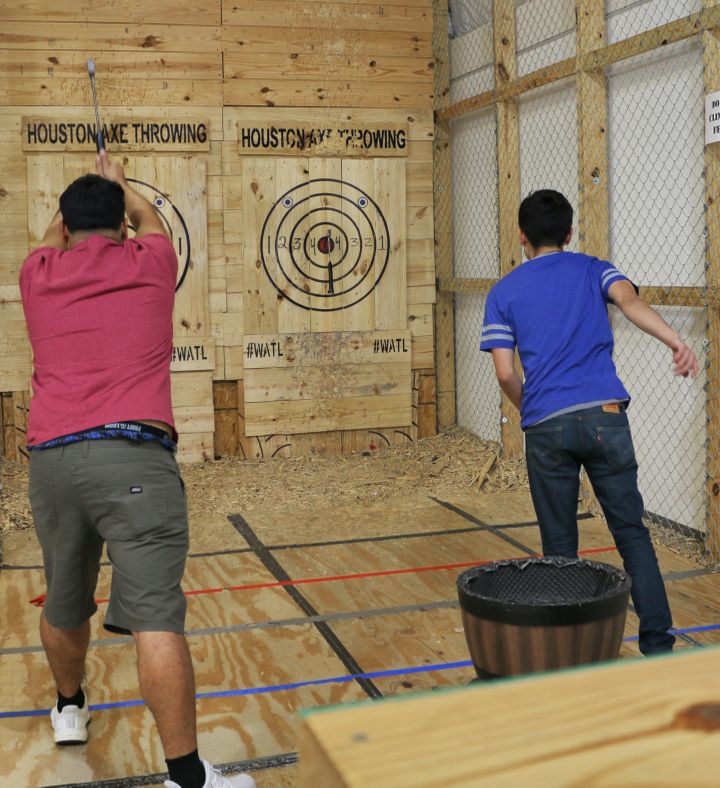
174 224
372 242
325 244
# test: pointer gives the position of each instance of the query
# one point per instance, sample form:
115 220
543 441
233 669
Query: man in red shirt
102 468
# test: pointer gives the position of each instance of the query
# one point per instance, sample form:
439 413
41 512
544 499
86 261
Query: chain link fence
549 114
626 18
656 233
545 32
476 256
657 238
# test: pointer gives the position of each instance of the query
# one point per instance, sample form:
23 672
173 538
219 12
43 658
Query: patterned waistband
130 430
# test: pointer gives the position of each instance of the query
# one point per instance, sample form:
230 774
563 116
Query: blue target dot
159 202
362 202
287 202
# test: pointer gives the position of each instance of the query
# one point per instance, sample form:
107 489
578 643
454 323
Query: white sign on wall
712 117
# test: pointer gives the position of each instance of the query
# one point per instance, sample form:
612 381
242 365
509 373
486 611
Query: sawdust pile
454 462
14 507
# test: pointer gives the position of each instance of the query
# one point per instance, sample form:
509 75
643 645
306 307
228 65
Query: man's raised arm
54 236
141 213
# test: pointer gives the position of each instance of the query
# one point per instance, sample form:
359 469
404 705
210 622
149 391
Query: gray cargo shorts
130 496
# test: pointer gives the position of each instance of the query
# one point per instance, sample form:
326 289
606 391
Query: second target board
325 244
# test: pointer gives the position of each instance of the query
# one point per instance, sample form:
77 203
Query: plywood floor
293 607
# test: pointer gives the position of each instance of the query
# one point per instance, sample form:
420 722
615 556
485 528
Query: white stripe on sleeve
504 337
610 278
611 272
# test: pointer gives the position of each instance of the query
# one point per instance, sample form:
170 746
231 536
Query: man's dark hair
92 203
546 218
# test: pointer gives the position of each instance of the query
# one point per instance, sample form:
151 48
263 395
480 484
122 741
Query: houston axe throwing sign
337 139
137 134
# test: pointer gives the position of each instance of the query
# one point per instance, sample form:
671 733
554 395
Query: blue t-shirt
553 309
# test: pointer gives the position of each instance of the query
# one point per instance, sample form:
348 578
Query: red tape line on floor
40 600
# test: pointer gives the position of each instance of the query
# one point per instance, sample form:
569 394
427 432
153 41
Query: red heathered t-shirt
99 318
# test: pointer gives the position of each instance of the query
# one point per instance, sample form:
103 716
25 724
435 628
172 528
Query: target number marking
174 222
325 245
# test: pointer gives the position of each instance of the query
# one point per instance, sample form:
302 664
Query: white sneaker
70 724
213 779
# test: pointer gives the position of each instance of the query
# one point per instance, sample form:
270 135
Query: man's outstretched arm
648 320
508 378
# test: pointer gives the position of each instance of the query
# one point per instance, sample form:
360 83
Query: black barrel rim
607 604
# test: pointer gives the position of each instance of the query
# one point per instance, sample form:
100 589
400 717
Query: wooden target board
326 345
176 186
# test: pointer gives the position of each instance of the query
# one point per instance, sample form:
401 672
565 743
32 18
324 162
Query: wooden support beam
592 134
657 295
442 196
535 79
465 285
508 158
8 425
21 405
670 33
591 97
699 297
15 406
711 72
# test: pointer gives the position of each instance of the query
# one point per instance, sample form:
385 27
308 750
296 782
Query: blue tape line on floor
683 631
122 704
377 674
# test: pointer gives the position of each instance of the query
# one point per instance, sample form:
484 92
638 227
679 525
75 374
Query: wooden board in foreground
639 722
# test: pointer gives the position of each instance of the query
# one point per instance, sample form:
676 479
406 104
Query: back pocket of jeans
544 446
617 447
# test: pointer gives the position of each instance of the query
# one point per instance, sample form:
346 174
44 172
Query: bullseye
326 244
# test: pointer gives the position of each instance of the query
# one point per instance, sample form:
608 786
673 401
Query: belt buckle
611 407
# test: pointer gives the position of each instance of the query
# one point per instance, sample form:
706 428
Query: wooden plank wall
711 75
224 61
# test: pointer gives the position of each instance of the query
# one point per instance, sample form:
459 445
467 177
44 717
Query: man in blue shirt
553 309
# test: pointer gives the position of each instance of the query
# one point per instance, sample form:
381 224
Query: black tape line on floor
328 543
689 639
273 566
392 537
485 526
348 615
252 765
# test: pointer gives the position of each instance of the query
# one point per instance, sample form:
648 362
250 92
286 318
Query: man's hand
112 170
141 213
684 360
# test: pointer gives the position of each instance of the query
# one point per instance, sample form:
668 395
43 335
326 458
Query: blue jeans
601 443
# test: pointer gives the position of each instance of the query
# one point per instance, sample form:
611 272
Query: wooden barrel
538 614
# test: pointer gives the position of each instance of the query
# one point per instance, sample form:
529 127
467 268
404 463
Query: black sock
78 699
187 770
